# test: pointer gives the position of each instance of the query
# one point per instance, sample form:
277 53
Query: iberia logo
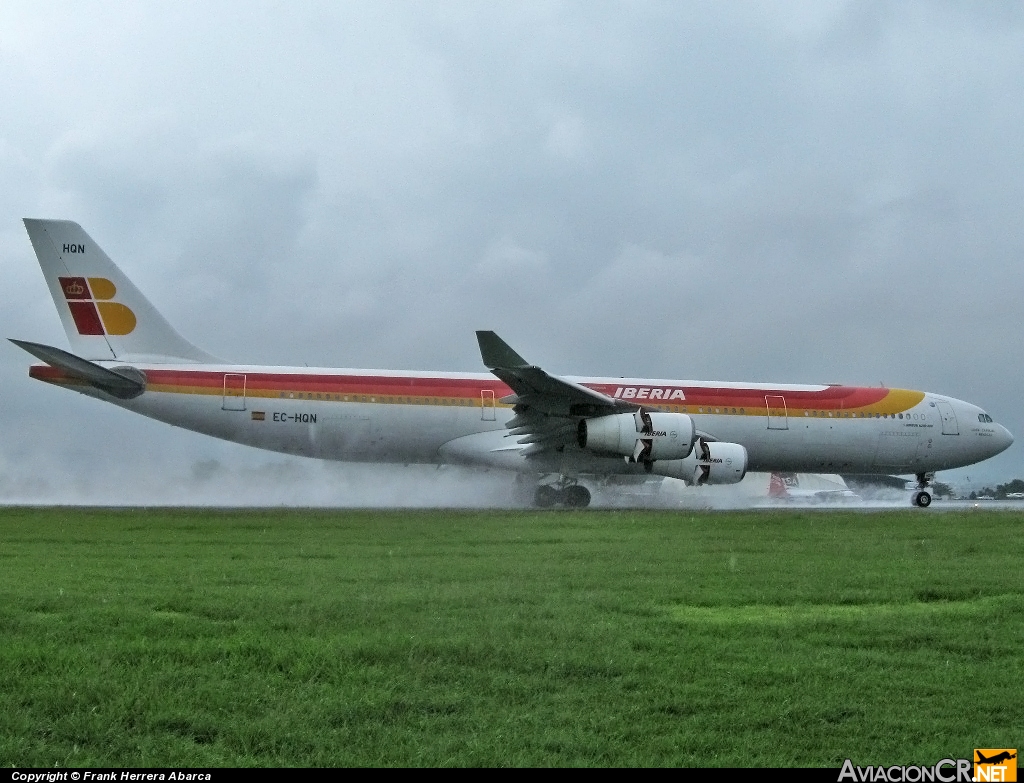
94 313
997 764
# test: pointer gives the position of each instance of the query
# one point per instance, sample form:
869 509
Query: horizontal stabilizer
123 382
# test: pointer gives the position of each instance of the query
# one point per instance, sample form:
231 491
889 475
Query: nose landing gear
922 498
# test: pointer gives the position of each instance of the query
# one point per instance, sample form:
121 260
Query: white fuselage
407 417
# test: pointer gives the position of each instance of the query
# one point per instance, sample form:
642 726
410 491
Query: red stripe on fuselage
830 398
42 372
331 384
187 381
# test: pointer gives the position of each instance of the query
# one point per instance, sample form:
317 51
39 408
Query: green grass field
293 637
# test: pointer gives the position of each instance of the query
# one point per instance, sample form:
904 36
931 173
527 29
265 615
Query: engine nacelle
639 437
709 463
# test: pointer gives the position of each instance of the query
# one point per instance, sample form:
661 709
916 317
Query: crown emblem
75 289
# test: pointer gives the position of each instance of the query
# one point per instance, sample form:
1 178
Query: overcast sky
793 192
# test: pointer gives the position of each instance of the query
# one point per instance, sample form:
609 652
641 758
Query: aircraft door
487 405
776 407
234 392
948 416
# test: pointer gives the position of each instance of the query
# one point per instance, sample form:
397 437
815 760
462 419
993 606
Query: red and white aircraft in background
517 417
814 488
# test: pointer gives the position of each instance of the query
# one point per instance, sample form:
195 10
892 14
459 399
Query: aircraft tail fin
104 315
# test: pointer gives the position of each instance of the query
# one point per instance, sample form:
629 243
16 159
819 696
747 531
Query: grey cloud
822 192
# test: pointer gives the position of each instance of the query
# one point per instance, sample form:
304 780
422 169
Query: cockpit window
984 417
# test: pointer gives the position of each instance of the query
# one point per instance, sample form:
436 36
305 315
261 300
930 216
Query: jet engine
639 437
708 463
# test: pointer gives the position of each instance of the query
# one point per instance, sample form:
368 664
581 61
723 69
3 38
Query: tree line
1001 492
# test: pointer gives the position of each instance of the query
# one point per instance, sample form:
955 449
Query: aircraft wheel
545 496
576 496
922 499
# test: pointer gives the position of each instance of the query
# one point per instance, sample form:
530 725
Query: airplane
1003 756
785 486
558 432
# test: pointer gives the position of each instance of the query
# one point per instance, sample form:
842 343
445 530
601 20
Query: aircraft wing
547 407
540 391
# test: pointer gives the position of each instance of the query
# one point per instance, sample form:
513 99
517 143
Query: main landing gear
922 498
564 492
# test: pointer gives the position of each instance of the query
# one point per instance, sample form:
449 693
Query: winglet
496 352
